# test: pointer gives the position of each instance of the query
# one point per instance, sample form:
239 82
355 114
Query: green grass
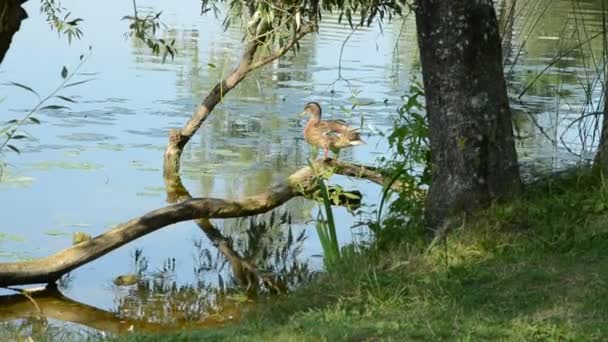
532 269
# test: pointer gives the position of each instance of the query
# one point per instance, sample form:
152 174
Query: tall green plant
326 225
407 166
326 229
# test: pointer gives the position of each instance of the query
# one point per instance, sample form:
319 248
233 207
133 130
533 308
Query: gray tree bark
11 15
471 135
601 156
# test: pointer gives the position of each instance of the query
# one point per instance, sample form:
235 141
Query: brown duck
328 134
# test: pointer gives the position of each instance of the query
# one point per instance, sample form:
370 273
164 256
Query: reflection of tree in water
271 245
552 76
254 133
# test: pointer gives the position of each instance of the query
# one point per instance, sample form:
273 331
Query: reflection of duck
328 134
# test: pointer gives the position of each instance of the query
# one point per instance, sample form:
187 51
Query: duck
328 134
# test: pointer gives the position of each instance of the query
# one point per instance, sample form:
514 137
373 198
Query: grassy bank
535 269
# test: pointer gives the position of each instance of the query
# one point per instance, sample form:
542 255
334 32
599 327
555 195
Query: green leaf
77 83
53 107
55 232
211 65
64 72
34 120
23 87
18 136
65 98
13 148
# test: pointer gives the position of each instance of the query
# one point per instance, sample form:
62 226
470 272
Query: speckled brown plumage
328 134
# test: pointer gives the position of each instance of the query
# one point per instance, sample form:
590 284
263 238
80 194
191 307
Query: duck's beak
303 113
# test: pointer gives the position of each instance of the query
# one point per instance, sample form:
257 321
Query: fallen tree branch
51 268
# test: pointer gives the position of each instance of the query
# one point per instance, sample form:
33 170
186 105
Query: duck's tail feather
354 138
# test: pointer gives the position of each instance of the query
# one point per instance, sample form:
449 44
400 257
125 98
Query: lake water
99 163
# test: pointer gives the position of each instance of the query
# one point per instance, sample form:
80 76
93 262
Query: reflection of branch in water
244 272
301 183
55 305
244 269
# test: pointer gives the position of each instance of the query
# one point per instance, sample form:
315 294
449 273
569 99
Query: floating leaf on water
49 165
111 147
72 153
10 181
56 232
147 194
81 225
11 237
77 224
148 169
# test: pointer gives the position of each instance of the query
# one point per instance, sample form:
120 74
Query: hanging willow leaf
53 107
34 120
79 82
64 72
13 148
65 98
23 87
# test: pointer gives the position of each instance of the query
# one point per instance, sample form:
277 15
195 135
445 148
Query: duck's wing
341 134
334 127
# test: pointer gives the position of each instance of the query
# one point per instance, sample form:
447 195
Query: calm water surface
100 162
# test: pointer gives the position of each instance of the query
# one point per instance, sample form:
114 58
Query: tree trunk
11 15
601 157
471 135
